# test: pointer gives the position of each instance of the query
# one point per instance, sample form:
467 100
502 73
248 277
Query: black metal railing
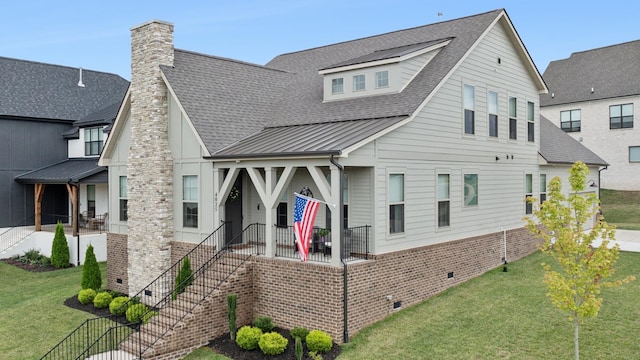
86 225
212 269
15 234
356 243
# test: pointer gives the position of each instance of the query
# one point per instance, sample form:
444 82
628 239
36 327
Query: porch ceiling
330 138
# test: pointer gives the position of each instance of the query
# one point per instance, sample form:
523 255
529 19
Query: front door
233 212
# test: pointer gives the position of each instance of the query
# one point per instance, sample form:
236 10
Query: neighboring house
428 138
53 123
594 96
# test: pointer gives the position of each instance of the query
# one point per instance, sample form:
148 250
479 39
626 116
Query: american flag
304 215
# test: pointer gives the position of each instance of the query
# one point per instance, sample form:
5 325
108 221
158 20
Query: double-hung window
531 122
470 190
396 203
443 200
493 113
359 83
513 118
92 141
91 200
337 86
634 154
469 110
382 79
543 188
570 120
190 201
528 193
124 199
621 116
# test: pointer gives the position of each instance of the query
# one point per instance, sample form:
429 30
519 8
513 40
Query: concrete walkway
629 240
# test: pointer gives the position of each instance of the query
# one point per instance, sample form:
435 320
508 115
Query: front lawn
621 208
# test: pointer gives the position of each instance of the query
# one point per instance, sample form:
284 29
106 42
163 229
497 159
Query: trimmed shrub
86 296
272 343
299 352
232 301
91 276
299 332
148 315
60 249
102 300
264 323
183 279
117 306
248 337
137 313
319 341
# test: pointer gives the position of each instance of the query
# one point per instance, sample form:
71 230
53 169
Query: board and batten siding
117 165
187 160
434 142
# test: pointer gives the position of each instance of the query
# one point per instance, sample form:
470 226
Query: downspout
599 176
344 264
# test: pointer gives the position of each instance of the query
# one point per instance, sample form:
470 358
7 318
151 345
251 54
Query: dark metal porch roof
67 171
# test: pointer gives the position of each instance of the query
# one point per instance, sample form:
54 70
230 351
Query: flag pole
314 199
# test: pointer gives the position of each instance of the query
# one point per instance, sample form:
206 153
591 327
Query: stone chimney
150 164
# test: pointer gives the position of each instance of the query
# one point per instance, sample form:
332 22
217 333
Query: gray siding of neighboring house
27 145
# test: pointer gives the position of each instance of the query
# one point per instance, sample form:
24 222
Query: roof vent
80 83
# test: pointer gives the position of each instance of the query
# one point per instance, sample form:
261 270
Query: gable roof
228 100
45 91
558 147
611 71
66 171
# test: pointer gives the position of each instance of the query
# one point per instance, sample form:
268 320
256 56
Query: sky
95 35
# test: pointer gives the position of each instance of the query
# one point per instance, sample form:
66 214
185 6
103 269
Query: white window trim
436 226
475 172
389 203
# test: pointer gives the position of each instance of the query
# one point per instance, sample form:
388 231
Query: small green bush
102 300
148 315
117 306
272 343
300 333
183 279
91 276
264 323
86 296
232 304
248 337
319 341
298 349
60 249
136 313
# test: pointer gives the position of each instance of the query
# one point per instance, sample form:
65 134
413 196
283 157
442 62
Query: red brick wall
117 263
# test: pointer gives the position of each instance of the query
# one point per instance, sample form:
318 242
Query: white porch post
217 207
336 216
270 213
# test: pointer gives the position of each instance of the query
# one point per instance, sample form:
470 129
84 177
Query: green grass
501 315
621 208
34 318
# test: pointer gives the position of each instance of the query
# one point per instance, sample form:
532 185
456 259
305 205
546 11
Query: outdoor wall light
497 158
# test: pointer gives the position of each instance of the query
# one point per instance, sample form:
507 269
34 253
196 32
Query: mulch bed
222 345
225 346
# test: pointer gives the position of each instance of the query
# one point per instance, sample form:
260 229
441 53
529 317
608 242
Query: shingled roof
44 91
227 100
611 71
558 147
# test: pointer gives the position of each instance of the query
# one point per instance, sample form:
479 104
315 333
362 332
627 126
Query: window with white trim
359 83
492 99
470 190
469 110
382 79
190 201
543 188
91 200
396 203
634 153
531 136
444 201
123 199
528 193
513 118
282 212
337 86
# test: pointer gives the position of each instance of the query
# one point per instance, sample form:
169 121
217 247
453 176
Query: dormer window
92 141
359 83
337 86
382 79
